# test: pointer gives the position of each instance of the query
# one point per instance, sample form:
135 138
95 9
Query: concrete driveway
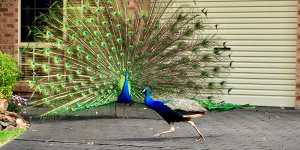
262 128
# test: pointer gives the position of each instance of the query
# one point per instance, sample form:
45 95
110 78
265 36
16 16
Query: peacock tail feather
94 43
211 105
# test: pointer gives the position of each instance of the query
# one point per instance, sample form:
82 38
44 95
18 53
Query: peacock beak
144 91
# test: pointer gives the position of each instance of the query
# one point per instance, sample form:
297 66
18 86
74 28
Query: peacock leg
125 111
195 127
172 129
127 106
116 112
122 111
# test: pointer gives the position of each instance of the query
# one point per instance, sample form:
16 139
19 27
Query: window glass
30 10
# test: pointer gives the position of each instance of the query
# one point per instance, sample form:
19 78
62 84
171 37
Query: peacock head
147 91
126 74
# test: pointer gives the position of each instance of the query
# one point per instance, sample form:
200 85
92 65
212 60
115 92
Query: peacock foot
201 140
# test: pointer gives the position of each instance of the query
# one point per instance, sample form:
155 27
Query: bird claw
157 135
201 140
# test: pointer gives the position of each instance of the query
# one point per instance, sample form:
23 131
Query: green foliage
12 107
6 136
9 74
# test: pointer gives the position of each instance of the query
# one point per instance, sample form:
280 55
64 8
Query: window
30 10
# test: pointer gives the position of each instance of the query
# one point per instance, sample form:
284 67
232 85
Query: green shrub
9 74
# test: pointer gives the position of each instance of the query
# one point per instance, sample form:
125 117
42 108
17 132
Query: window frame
31 45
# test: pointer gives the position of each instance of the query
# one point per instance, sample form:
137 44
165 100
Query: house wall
9 27
297 99
9 33
262 37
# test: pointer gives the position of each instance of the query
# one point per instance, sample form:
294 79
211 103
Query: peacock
124 96
103 51
177 110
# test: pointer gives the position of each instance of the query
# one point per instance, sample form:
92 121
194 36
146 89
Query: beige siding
262 35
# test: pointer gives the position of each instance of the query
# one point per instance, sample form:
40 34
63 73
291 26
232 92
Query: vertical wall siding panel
297 99
262 35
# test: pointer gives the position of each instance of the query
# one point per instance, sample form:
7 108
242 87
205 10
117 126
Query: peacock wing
184 104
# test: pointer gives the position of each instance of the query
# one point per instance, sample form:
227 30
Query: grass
6 136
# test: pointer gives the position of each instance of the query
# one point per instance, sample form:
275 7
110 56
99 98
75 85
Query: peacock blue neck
156 105
148 97
125 89
125 96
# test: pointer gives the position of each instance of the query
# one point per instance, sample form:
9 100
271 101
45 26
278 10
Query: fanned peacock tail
96 42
